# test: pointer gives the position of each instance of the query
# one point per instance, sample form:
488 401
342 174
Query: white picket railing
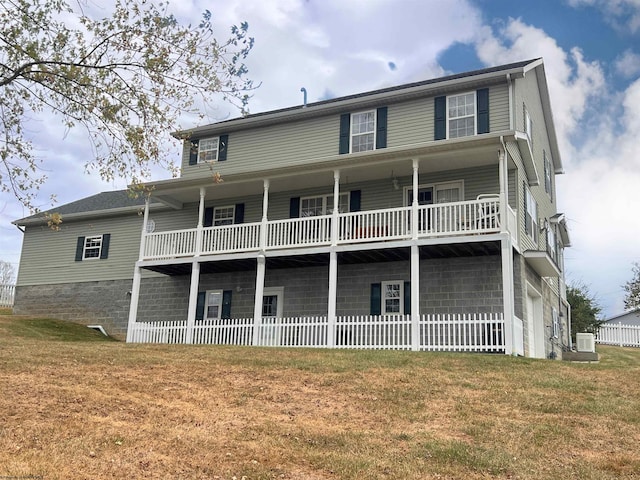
306 231
463 333
7 295
619 334
389 224
231 238
177 243
444 219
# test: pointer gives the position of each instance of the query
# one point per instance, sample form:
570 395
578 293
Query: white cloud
628 64
624 15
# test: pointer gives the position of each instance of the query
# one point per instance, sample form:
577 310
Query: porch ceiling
393 254
360 167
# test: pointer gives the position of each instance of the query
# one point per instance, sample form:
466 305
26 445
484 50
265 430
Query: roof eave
351 102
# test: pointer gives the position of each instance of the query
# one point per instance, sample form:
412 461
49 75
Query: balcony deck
440 220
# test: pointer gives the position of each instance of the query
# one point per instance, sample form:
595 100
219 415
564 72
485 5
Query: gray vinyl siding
298 143
281 145
499 107
48 257
527 95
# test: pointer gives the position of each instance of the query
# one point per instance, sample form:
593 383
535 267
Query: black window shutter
407 298
345 129
381 128
238 216
354 201
376 299
193 151
202 296
226 304
207 221
104 251
482 105
223 144
294 207
440 120
79 249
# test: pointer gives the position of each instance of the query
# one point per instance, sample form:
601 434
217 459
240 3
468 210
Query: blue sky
591 50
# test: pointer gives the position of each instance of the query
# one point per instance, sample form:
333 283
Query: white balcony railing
444 219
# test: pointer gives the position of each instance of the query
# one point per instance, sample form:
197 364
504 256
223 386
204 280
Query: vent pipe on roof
304 91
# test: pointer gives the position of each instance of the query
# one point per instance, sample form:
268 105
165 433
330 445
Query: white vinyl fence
464 333
7 295
618 334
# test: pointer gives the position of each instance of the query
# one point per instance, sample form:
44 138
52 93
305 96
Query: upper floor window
531 215
208 149
322 205
363 131
212 149
528 125
223 215
548 187
93 247
461 115
552 245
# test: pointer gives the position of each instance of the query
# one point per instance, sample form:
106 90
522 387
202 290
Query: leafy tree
7 273
585 310
126 78
632 287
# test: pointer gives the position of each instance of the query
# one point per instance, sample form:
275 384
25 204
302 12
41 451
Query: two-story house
422 216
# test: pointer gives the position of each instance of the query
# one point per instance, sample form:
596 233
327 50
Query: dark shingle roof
100 201
420 83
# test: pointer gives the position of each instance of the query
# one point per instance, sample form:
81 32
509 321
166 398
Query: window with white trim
322 205
392 298
363 131
223 215
555 326
528 125
92 247
531 215
461 115
213 305
552 243
208 149
547 174
437 193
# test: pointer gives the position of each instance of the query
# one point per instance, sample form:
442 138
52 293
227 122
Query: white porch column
199 232
257 307
415 298
414 202
508 301
193 300
336 206
137 275
265 208
503 172
133 305
333 291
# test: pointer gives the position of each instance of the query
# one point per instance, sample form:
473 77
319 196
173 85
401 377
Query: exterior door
535 324
272 307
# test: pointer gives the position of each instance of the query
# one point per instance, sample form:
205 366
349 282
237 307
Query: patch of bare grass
100 409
